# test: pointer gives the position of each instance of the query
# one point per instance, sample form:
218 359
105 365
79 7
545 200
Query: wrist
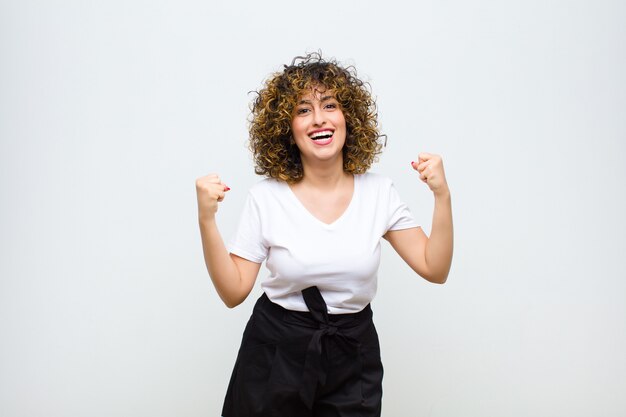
443 194
207 219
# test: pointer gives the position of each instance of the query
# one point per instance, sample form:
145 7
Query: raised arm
232 276
430 257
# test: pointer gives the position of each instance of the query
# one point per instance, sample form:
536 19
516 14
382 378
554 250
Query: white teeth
322 133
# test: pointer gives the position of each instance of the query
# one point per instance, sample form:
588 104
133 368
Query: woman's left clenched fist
430 168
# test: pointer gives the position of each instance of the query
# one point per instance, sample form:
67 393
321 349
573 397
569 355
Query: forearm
223 271
440 243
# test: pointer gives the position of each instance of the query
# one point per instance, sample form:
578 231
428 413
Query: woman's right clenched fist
210 191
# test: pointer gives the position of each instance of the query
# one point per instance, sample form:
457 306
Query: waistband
317 313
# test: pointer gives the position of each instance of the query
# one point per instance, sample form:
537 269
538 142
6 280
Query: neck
324 175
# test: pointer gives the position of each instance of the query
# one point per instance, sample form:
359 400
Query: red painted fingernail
226 188
412 163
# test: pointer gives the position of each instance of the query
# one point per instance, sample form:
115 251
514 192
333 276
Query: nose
319 118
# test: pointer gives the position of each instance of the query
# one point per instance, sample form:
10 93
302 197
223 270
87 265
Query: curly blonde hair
275 153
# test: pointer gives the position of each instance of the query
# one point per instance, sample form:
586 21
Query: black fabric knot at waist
328 329
314 372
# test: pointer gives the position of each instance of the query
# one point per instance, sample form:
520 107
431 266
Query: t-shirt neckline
339 219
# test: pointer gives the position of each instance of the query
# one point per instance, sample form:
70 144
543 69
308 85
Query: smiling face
319 127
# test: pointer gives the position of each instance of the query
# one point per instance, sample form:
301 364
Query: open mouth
322 137
324 134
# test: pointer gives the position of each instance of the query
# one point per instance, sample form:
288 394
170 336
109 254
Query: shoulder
264 185
374 180
267 188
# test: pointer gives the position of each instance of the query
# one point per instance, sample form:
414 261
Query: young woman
310 347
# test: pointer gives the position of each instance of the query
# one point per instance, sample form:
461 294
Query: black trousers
306 364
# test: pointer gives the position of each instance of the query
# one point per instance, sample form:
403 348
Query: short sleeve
400 216
248 241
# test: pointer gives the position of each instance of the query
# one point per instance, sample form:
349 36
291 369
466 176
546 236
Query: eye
302 110
331 105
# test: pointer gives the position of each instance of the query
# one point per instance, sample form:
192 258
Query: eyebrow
323 99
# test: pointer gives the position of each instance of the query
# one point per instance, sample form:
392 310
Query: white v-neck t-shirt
340 258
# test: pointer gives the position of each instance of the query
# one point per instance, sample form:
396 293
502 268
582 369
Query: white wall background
109 111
